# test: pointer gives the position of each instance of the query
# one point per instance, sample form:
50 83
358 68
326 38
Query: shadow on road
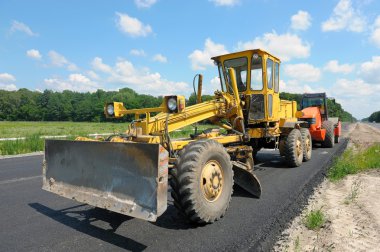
82 223
172 219
269 160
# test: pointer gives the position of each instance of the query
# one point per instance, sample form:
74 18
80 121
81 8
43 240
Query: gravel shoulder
351 208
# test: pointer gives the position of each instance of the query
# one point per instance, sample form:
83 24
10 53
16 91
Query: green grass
297 244
32 131
354 193
32 143
315 219
352 162
25 129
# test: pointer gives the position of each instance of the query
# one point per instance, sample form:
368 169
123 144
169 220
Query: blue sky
157 46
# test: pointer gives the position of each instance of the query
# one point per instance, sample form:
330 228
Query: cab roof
252 51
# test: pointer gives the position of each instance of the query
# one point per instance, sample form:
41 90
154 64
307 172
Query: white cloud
21 27
375 36
34 54
141 80
74 82
6 77
293 86
6 80
213 86
93 75
333 66
132 26
138 52
301 20
225 2
285 46
145 3
302 72
355 88
200 60
98 65
59 60
345 17
370 70
160 58
8 87
350 93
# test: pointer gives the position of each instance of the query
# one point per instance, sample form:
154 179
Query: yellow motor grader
129 173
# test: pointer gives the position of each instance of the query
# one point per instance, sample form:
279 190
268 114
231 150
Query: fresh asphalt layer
35 220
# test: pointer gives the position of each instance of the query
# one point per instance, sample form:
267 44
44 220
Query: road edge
32 154
272 232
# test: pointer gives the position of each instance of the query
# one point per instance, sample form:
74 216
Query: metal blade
246 179
128 178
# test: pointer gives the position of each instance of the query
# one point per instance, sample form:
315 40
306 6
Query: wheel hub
299 148
212 180
308 145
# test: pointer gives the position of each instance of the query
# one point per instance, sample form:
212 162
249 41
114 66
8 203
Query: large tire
329 137
307 144
336 138
202 182
293 150
281 147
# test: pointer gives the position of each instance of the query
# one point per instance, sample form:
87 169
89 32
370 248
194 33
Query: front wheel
307 144
293 149
336 139
329 137
202 181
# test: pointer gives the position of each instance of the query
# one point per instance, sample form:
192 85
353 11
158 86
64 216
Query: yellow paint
225 106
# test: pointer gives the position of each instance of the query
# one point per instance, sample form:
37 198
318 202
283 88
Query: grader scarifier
130 173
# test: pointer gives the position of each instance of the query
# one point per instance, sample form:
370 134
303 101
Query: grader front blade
128 178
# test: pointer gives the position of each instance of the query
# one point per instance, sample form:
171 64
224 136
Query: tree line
374 117
26 105
334 109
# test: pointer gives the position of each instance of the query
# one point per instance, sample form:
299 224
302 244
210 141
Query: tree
374 117
27 105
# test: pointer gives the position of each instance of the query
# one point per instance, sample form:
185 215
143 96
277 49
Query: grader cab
130 172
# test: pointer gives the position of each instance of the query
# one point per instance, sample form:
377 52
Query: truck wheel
329 137
202 182
307 144
336 139
293 149
281 147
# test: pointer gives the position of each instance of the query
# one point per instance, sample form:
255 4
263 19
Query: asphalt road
376 125
34 220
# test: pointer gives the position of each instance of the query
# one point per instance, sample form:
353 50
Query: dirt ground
351 207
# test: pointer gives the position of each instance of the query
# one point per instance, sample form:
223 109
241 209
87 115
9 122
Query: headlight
172 104
110 109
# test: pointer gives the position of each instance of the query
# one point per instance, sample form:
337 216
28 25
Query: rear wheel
281 147
293 149
329 137
307 144
336 139
202 182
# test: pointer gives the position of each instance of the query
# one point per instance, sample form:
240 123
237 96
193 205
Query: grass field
25 129
32 131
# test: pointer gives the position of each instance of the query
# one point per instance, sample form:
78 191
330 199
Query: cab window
269 73
276 77
240 65
256 73
221 77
